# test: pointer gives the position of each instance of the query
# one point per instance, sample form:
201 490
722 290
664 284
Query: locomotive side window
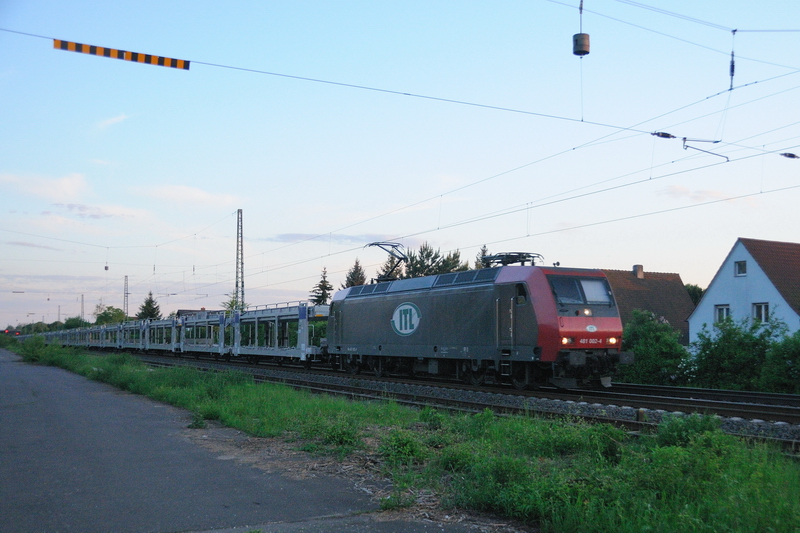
522 294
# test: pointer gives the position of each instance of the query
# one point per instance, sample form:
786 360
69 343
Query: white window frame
761 311
740 268
721 312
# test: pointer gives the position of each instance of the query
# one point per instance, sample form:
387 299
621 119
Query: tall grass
564 476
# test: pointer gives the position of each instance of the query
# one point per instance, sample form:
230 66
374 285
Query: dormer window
740 268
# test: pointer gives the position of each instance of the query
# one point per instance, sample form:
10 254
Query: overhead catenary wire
440 194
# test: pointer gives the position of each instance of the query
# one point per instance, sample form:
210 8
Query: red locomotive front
580 331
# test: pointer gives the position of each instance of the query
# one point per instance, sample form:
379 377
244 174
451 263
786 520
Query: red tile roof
780 261
661 293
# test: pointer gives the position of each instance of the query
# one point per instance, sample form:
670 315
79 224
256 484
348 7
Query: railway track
636 412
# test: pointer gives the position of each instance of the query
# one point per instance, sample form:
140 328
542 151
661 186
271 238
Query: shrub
658 354
401 447
680 430
781 371
732 355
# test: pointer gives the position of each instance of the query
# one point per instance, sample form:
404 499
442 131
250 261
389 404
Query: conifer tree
321 292
149 309
355 276
390 270
480 259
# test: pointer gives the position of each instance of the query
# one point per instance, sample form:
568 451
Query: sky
336 124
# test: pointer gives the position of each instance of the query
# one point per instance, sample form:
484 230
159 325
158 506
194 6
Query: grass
564 476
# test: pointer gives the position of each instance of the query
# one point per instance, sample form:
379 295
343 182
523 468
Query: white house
758 279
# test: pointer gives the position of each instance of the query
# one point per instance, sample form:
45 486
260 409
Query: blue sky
334 124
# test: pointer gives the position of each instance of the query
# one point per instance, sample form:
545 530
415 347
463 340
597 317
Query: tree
658 356
110 315
321 292
428 262
424 262
232 303
75 322
695 292
355 276
149 309
480 259
452 263
390 270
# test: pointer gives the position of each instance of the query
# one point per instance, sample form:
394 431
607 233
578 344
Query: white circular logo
591 329
406 318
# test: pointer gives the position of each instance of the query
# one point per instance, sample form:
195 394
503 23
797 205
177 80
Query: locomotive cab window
569 290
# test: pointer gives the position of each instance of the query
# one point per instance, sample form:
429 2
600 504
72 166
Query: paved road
81 456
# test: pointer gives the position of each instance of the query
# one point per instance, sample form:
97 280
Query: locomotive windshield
571 290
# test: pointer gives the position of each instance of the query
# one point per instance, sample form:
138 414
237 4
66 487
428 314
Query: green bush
657 353
781 371
732 355
681 430
402 447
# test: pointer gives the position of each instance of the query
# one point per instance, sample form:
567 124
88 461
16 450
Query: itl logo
406 318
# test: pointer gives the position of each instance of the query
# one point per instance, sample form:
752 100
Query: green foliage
732 355
355 276
6 340
480 258
322 291
560 476
75 322
343 431
695 292
427 262
680 430
390 269
110 315
402 447
658 354
781 370
198 421
233 304
149 309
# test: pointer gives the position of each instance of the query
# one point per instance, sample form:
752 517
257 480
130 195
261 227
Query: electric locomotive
525 325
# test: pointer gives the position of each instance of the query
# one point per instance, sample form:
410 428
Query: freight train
514 324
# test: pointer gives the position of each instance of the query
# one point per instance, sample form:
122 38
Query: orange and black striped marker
120 54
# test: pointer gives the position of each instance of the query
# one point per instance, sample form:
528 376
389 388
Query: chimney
638 271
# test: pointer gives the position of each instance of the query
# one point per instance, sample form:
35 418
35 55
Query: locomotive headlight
567 340
587 312
612 340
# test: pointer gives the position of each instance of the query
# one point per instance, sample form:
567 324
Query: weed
401 447
198 421
679 430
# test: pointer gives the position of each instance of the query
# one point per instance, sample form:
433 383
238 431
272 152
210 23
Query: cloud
188 195
97 212
31 245
335 238
678 191
70 187
111 121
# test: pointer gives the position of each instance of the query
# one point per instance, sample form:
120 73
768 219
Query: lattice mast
239 295
125 298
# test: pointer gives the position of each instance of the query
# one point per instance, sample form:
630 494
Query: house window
740 268
761 312
721 312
